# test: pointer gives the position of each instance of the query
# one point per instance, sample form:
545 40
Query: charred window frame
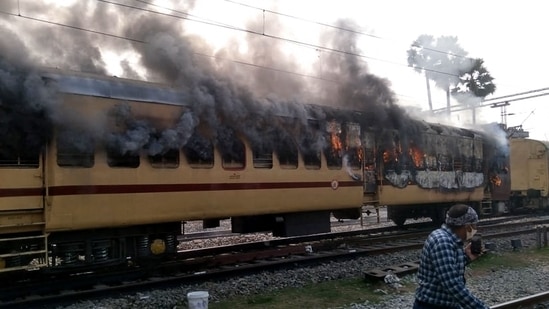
369 151
333 150
287 153
445 162
199 152
75 149
478 162
431 162
353 145
233 152
125 160
167 159
262 155
311 159
309 151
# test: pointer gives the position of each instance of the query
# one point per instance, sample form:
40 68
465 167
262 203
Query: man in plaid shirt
442 265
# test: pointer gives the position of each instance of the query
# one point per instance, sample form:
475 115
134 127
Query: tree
441 60
475 84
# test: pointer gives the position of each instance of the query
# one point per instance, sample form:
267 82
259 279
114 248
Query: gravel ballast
496 286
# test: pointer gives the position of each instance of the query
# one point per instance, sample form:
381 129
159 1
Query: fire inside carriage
115 181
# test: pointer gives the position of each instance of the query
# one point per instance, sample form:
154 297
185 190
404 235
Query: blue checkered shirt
441 272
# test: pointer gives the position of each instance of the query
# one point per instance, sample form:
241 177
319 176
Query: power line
500 101
194 18
301 43
344 29
72 27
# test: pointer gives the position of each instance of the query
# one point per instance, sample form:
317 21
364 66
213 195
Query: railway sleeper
400 269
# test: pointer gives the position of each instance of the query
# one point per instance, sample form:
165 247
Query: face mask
471 233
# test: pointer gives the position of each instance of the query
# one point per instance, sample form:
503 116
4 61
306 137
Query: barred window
75 149
168 159
199 152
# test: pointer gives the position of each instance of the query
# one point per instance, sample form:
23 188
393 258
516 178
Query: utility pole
503 107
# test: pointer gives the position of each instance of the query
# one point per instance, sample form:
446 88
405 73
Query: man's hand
471 256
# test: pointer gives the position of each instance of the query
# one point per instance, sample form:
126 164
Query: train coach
530 175
127 162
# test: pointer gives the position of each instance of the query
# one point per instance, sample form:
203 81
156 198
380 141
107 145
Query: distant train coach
530 174
113 170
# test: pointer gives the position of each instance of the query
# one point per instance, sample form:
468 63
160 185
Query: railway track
536 301
218 262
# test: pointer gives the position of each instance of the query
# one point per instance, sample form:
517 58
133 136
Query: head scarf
470 217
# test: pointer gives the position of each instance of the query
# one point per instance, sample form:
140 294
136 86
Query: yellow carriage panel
413 194
529 166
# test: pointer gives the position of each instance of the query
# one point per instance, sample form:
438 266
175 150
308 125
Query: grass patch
337 293
509 260
328 294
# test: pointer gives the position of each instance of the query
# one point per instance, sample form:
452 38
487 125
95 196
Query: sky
290 50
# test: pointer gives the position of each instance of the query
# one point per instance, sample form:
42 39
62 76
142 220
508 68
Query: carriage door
21 199
369 161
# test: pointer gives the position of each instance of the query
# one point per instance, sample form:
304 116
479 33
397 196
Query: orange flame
496 180
386 156
336 143
417 156
360 154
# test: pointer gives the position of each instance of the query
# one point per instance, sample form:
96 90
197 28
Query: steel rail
525 302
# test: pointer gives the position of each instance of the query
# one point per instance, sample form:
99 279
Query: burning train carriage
117 178
422 170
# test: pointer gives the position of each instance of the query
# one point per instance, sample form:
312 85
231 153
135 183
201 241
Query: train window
199 152
168 159
286 152
231 148
308 146
334 148
28 160
311 159
117 159
262 155
233 157
445 162
431 162
354 158
75 149
353 146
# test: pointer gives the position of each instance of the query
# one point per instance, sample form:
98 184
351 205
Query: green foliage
338 293
329 294
441 59
476 80
444 61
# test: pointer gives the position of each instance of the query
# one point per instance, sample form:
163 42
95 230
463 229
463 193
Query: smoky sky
221 92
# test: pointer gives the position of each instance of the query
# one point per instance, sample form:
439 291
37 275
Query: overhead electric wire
457 108
72 27
342 28
315 46
144 42
195 18
212 23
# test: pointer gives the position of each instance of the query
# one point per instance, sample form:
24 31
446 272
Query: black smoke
223 95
